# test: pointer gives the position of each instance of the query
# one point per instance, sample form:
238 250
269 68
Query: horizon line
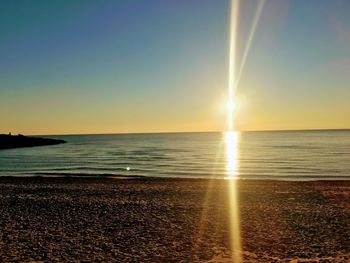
172 132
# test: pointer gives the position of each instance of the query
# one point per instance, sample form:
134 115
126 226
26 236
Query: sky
70 67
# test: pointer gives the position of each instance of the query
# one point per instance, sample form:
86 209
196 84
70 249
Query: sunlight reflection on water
232 173
232 154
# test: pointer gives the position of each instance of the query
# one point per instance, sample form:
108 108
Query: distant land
8 141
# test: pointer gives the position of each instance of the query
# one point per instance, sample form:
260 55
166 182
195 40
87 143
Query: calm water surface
286 155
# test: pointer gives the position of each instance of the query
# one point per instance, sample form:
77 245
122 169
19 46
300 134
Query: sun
230 106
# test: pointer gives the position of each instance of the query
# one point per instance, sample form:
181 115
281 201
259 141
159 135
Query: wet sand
172 220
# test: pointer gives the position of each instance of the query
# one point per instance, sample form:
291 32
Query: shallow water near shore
282 155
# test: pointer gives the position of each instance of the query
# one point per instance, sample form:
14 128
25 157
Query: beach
172 220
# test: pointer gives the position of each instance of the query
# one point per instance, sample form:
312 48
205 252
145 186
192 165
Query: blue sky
136 66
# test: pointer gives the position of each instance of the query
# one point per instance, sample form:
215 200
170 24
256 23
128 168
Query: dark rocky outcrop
8 141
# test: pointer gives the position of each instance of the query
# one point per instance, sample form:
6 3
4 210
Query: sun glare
231 135
230 106
231 140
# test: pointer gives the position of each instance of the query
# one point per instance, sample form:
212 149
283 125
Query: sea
281 155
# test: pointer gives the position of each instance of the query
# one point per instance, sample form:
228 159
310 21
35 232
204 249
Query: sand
172 220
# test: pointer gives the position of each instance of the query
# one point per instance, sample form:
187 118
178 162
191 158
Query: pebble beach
172 220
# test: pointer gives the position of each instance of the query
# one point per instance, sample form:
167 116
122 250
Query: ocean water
283 155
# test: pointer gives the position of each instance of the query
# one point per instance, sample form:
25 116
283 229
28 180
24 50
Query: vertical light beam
232 172
232 64
231 139
250 40
232 136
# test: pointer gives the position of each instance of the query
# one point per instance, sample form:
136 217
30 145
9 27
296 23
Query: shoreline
174 132
144 177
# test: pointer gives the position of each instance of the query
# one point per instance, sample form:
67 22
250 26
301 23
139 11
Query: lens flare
231 135
231 140
261 4
230 106
232 63
232 169
232 172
